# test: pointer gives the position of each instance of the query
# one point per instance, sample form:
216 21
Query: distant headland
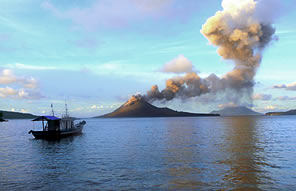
290 112
16 115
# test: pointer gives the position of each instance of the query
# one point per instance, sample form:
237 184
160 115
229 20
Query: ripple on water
256 153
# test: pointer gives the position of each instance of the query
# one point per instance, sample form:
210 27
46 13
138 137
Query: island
236 111
138 107
290 112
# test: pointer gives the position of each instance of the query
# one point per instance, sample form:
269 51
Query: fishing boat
56 128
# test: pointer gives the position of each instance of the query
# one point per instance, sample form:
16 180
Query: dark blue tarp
46 118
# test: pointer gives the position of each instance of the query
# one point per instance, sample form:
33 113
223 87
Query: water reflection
245 156
225 156
182 154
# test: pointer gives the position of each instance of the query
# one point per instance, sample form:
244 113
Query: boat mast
52 111
66 108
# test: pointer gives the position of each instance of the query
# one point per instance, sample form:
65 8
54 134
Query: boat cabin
52 123
49 123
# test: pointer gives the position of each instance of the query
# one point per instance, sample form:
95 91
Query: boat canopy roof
46 118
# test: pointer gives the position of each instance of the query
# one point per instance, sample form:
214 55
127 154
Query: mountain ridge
290 112
236 111
138 107
16 115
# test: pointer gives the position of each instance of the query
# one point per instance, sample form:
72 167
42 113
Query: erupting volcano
241 32
138 107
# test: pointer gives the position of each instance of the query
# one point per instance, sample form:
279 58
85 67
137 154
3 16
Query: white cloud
178 65
97 107
31 83
270 107
28 86
29 67
93 107
291 86
7 77
262 97
24 111
285 98
12 93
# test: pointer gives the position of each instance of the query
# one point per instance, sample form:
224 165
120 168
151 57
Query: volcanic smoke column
241 33
241 36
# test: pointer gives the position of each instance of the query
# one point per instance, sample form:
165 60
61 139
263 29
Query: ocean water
219 153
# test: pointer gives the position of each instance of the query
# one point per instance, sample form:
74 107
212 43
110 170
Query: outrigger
56 128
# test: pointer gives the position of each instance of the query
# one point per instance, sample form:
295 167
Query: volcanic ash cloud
241 33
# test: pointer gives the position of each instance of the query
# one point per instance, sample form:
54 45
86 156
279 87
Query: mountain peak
236 111
136 106
134 99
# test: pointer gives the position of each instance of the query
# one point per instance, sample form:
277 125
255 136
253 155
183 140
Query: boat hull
55 134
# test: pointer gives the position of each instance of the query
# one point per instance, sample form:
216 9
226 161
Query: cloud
270 107
12 93
225 105
285 98
291 86
96 107
28 86
262 97
93 107
7 77
29 67
114 13
24 111
178 65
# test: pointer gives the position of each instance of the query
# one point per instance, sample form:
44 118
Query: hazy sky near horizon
95 54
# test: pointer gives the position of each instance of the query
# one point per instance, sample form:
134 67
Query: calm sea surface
221 153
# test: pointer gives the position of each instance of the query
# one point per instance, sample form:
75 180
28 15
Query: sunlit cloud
8 77
262 97
28 86
24 111
270 107
291 86
225 105
8 92
178 65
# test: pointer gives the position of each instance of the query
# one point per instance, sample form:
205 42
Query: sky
95 54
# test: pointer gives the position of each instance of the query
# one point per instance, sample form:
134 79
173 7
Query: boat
3 120
1 117
56 128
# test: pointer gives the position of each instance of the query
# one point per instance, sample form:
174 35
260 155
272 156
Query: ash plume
240 34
